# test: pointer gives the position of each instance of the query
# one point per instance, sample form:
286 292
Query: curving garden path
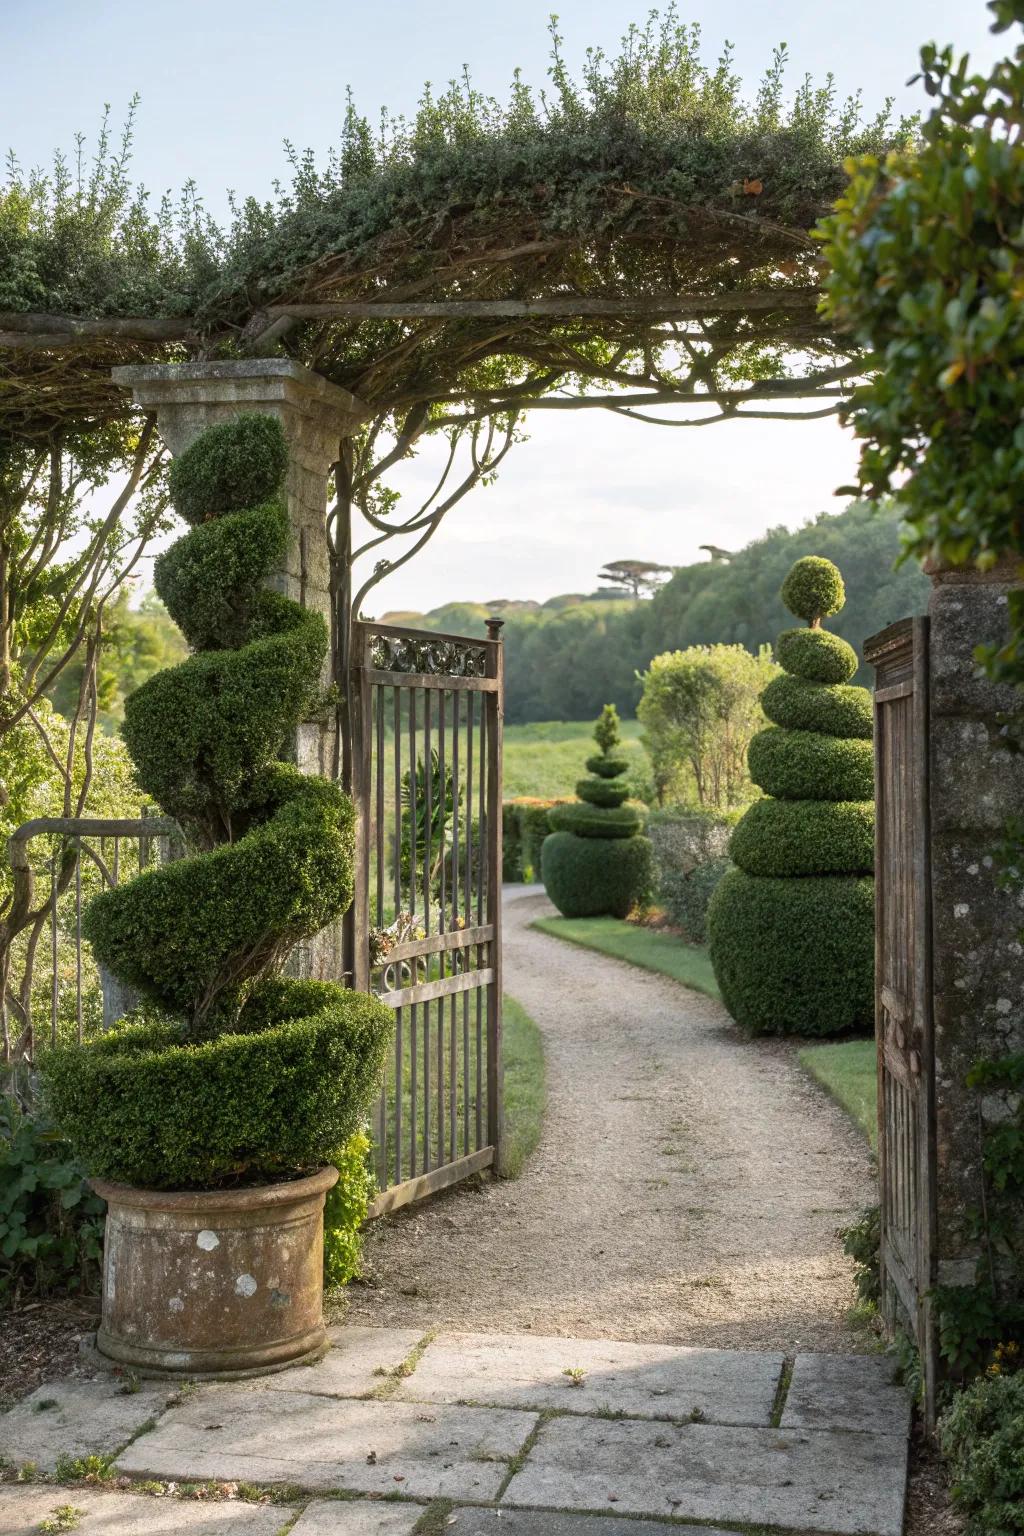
687 1188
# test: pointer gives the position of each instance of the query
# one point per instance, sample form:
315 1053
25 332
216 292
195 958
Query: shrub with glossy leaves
240 1073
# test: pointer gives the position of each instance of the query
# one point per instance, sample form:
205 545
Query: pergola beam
570 306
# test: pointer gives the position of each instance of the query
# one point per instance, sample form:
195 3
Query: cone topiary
233 1071
595 863
791 927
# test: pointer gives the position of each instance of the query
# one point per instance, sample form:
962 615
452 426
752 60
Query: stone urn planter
223 1284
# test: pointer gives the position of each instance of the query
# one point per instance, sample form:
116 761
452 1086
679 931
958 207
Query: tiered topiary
595 863
231 1071
792 926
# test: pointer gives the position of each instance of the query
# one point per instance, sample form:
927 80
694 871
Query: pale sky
224 82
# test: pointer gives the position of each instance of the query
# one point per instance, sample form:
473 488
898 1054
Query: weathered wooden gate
426 932
903 992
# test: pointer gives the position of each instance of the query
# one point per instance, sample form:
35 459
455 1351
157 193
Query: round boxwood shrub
817 655
794 956
791 928
238 1073
813 589
806 765
595 862
799 705
588 877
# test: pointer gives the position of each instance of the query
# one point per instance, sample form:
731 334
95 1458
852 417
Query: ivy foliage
653 172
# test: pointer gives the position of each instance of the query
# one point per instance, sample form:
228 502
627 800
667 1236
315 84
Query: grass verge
847 1070
525 1085
652 951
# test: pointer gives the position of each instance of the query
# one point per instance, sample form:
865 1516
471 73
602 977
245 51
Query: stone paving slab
355 1366
77 1418
132 1514
333 1443
847 1392
638 1380
523 1522
834 1481
334 1517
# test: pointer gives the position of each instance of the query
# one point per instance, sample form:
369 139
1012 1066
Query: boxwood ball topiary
817 655
805 765
590 877
813 589
242 1073
595 821
794 956
602 791
839 710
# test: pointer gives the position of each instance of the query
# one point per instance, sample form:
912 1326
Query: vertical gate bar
465 1070
78 943
399 1085
398 800
928 1205
361 693
413 1087
481 953
117 859
442 791
471 955
453 1063
413 805
54 957
440 1074
456 803
426 1087
428 772
496 714
379 804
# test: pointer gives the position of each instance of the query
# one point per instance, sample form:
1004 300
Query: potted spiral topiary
209 1118
595 862
791 927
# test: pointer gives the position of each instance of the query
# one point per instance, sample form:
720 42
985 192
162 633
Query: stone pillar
189 397
977 786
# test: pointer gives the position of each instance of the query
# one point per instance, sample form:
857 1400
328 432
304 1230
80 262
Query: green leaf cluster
51 1224
981 1435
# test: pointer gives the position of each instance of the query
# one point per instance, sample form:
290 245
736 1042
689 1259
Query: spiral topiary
233 1070
791 927
594 863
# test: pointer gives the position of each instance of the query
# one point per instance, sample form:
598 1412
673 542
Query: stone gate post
315 414
976 788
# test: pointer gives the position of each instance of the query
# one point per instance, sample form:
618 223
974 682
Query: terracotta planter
224 1284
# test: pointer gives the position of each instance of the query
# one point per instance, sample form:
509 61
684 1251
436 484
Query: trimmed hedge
806 837
795 956
602 791
511 842
803 765
688 896
842 710
592 821
588 877
817 655
607 767
278 1095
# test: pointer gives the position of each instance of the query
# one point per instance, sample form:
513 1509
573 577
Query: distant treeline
565 663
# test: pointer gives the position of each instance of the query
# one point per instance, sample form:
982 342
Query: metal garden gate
903 1014
426 777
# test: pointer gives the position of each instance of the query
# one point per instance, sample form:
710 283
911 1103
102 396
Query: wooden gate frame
443 664
904 1029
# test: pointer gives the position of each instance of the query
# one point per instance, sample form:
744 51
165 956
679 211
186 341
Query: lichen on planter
230 1077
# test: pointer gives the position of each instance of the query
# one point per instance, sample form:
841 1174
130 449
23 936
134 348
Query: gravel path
687 1188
